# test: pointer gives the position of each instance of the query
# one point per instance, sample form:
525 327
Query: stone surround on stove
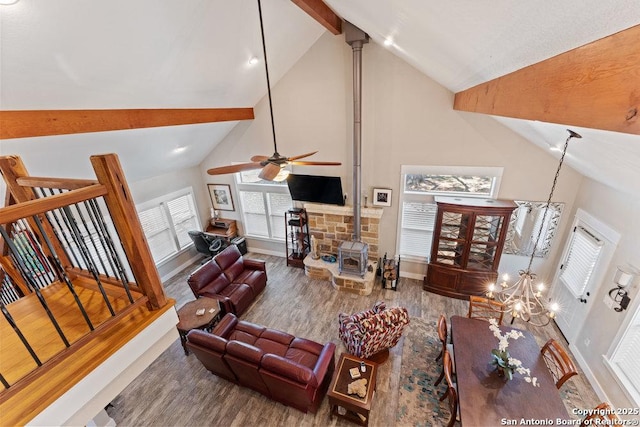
332 225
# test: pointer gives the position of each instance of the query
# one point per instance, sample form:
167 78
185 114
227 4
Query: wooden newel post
125 220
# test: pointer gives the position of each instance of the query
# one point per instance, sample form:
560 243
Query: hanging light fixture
523 299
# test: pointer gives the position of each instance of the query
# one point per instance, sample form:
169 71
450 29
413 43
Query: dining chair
452 392
603 413
444 338
485 309
558 361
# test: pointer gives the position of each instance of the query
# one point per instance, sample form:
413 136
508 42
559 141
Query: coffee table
190 320
351 406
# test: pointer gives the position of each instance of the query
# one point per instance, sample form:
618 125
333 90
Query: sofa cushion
245 351
246 332
281 366
203 276
230 262
304 352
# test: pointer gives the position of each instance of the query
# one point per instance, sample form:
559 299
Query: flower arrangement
502 360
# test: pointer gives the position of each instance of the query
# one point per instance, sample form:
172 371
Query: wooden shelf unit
298 241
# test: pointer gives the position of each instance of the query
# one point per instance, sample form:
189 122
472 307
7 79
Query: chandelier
523 300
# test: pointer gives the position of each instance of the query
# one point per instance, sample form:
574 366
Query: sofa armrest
226 325
254 264
288 369
325 362
207 340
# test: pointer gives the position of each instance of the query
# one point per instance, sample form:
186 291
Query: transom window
417 206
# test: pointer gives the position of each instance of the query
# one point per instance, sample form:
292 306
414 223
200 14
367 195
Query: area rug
418 403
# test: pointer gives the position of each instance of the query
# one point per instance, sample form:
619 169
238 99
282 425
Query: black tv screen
316 189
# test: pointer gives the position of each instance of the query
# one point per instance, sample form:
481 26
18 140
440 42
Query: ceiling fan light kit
274 167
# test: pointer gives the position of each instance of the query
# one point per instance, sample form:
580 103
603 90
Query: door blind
626 358
577 269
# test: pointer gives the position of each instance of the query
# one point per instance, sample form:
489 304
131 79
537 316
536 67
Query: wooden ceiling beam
319 11
594 86
30 123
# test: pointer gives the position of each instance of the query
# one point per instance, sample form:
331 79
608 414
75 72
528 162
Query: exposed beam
594 86
28 123
319 11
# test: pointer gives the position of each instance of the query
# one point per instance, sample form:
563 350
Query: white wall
622 213
407 119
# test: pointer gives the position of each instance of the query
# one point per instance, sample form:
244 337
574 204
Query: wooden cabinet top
474 203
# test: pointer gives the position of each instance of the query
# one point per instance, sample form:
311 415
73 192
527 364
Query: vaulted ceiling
157 54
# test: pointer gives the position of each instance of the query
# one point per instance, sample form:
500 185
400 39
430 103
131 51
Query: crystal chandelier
523 299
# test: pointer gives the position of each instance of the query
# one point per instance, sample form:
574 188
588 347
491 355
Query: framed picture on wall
221 197
381 197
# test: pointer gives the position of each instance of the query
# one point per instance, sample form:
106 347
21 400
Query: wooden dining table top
485 399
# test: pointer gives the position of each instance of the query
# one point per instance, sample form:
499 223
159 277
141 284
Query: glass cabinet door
453 236
484 242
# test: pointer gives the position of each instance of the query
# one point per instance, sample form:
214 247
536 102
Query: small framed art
381 197
221 197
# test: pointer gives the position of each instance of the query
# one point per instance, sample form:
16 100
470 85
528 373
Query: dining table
488 399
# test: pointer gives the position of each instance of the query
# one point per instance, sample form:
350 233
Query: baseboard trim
588 373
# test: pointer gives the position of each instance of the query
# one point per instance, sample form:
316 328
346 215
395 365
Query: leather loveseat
230 278
293 371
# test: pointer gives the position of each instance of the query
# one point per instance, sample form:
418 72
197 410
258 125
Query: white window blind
584 250
624 360
166 222
263 204
416 234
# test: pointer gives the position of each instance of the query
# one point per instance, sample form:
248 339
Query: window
417 207
166 222
624 360
263 204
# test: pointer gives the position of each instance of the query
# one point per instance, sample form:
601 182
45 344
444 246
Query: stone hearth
319 269
332 225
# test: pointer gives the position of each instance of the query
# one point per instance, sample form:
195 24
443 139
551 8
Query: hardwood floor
177 390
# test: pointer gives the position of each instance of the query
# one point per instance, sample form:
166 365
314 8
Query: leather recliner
293 371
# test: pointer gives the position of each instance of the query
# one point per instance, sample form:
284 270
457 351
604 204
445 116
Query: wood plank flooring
177 390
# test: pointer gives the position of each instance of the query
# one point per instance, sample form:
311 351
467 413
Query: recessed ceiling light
179 149
388 41
253 60
8 2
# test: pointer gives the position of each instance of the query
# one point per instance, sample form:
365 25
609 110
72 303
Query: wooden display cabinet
298 241
467 244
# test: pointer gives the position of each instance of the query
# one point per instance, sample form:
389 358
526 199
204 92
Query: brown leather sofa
293 371
230 278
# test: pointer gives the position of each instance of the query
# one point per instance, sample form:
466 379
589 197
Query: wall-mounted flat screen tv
316 189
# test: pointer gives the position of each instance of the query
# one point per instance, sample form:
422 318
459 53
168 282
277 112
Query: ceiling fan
272 167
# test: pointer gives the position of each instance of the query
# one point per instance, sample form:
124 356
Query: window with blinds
418 220
263 204
166 222
580 262
624 361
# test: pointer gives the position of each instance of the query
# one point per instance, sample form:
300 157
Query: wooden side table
351 406
189 319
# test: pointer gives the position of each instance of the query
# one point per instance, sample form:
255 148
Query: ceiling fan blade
269 171
303 163
300 156
259 158
234 168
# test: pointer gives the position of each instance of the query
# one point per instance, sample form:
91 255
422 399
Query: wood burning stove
353 258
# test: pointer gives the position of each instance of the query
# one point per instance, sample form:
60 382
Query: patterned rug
418 403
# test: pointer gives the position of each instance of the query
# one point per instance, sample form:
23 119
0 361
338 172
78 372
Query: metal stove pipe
356 38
